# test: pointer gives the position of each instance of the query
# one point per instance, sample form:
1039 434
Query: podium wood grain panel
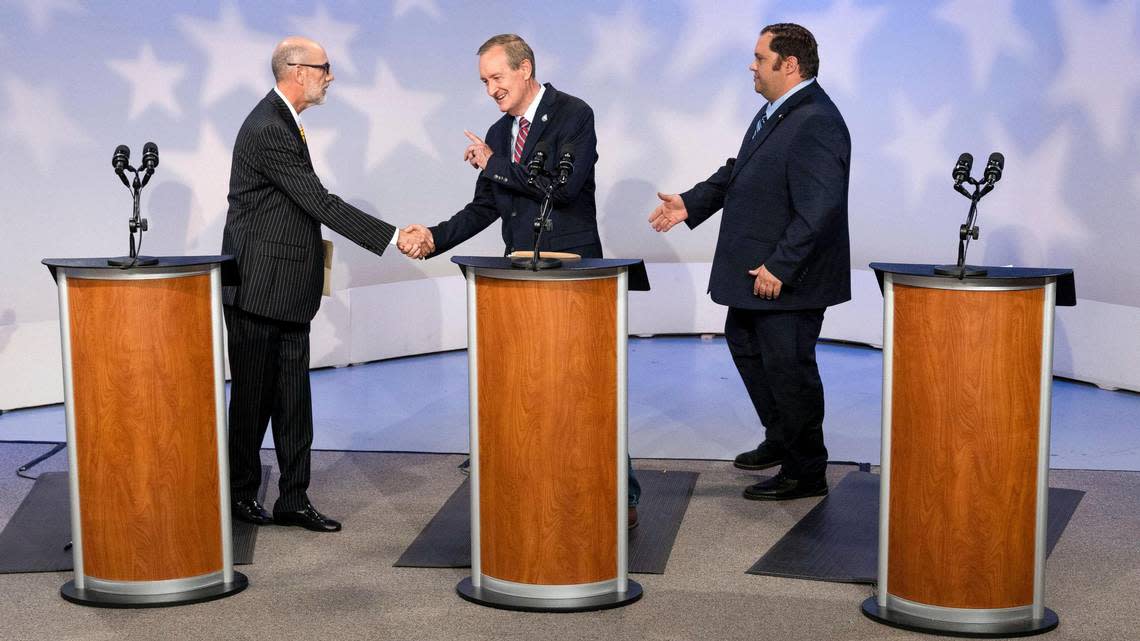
143 372
964 446
547 367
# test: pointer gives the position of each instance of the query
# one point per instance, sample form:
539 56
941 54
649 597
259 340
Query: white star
840 32
395 114
36 118
918 147
618 148
1101 71
1031 199
334 36
700 143
401 7
710 32
206 173
621 42
990 29
152 82
41 12
320 141
237 57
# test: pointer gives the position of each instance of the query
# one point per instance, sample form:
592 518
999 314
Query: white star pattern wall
1054 85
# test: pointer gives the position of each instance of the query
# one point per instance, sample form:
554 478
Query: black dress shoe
783 488
250 511
308 518
761 458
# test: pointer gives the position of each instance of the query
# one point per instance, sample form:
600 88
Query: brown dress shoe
631 517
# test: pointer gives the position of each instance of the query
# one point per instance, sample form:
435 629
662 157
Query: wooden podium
547 361
967 377
145 400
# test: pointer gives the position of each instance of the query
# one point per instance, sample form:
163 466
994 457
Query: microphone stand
541 223
967 231
136 223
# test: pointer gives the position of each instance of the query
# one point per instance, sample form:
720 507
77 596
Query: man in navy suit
782 256
532 113
273 230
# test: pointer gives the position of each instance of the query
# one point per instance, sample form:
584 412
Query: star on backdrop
395 115
621 42
320 141
402 7
152 82
42 13
333 35
707 34
1100 66
918 146
205 171
990 29
36 118
699 143
237 57
1033 196
841 31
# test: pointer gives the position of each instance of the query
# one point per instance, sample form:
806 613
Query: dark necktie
763 119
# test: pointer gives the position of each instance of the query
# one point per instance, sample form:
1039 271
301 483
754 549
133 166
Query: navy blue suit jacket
785 207
501 192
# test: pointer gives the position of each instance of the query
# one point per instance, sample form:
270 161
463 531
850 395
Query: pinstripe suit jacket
276 208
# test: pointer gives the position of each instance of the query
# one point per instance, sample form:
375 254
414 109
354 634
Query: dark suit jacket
501 191
277 207
785 206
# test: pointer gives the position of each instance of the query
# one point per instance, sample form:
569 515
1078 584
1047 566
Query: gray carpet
34 539
307 585
838 540
446 541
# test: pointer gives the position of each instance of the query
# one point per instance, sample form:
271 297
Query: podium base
493 599
97 599
1026 628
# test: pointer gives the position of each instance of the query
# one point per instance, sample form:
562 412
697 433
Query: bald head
293 49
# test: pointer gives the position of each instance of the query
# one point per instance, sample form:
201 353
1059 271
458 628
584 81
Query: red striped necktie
520 140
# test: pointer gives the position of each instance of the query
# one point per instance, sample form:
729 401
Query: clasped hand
415 241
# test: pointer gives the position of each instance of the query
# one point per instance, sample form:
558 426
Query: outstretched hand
670 212
416 241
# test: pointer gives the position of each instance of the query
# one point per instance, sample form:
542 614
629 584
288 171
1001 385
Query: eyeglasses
327 67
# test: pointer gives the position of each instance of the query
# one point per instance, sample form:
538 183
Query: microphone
565 163
120 161
149 160
994 167
538 160
961 171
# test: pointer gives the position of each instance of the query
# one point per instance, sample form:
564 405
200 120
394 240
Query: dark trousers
774 352
269 366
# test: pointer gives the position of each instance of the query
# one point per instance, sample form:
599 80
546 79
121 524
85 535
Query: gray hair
515 47
288 51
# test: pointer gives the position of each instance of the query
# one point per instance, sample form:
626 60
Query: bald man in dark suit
273 230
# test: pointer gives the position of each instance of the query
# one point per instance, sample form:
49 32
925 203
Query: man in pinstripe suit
273 229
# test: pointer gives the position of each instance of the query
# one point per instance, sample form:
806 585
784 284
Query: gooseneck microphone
120 160
149 160
537 161
565 163
962 168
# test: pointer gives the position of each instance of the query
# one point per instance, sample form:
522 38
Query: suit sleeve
706 198
578 131
817 186
472 219
289 172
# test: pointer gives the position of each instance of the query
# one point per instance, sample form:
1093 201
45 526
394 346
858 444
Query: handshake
415 241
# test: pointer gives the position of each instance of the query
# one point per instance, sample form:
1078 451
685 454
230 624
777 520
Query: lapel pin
543 117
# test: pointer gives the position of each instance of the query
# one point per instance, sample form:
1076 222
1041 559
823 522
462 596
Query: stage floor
686 401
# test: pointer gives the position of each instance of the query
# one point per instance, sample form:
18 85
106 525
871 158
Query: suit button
514 213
